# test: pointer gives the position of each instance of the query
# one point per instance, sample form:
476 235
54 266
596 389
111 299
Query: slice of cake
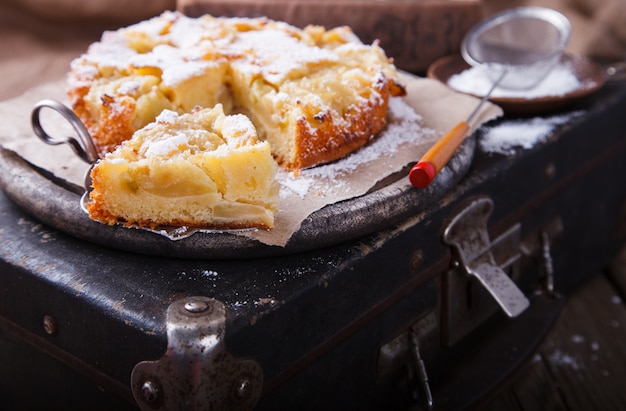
200 169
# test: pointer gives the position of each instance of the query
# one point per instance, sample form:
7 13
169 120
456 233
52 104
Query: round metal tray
57 204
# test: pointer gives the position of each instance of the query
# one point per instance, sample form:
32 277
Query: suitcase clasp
467 233
197 372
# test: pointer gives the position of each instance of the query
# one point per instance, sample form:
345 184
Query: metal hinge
467 233
196 372
401 358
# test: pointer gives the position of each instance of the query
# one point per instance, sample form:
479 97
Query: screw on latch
150 392
243 389
196 306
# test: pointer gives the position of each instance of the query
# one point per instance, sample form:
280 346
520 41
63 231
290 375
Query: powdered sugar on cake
239 129
167 146
167 116
281 54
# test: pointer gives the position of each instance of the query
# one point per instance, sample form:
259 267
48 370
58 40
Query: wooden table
581 363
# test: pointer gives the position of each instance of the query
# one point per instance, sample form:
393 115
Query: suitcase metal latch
467 233
196 372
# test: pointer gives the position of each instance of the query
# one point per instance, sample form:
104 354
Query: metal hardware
467 232
149 392
538 245
402 357
547 264
196 372
419 373
466 303
49 325
196 306
82 144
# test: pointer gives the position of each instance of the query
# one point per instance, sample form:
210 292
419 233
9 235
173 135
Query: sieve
516 49
524 44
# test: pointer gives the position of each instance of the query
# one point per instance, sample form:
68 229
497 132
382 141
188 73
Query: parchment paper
415 123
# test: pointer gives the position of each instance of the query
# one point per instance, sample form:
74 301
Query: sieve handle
431 163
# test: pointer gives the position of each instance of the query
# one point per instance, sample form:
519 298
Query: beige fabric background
598 26
40 37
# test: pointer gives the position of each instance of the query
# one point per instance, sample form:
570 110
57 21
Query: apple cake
315 95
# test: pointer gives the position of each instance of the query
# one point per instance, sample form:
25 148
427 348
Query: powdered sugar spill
504 138
560 80
297 185
559 358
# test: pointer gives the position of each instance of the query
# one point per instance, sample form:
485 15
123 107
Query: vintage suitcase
373 307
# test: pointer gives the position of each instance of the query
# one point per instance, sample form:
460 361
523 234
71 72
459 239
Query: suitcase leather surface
315 321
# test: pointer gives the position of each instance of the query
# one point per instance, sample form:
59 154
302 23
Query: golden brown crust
331 142
95 205
115 123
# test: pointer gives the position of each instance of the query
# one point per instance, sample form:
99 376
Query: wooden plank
580 366
617 269
533 389
586 351
503 401
533 392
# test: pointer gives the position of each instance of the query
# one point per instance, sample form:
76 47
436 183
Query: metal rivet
243 389
196 306
550 171
49 325
416 260
149 391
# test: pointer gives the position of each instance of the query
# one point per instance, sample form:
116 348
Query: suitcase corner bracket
196 371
